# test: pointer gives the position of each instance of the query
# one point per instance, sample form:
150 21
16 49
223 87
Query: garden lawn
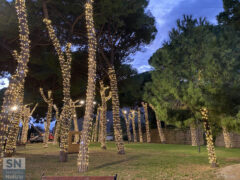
141 161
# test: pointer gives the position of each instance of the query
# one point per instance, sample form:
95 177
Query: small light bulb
14 108
94 102
82 102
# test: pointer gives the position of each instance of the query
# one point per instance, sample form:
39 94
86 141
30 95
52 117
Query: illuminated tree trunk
65 64
208 132
96 126
14 94
103 119
57 125
133 126
27 113
194 138
83 156
75 123
127 125
115 110
147 121
49 101
227 138
140 126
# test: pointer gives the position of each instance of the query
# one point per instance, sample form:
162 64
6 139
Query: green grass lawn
142 161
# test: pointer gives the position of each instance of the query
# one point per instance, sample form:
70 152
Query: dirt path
230 172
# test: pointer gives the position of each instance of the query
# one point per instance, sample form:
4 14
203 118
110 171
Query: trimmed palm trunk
194 138
227 138
57 124
145 106
27 113
209 138
127 125
65 64
116 111
49 101
83 156
13 97
140 126
133 113
103 119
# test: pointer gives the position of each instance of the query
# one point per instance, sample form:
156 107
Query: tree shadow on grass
109 164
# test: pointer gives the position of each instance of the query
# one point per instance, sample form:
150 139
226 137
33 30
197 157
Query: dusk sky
166 12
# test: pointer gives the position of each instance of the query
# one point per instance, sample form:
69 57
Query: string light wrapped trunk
103 119
49 101
227 138
83 156
209 138
145 106
96 126
57 124
65 64
124 112
14 94
133 114
115 110
140 126
27 113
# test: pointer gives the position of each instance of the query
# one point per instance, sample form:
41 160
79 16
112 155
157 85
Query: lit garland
57 124
96 126
9 122
103 117
83 156
124 112
49 101
27 113
208 132
74 105
145 106
159 125
66 113
133 113
227 138
140 126
115 110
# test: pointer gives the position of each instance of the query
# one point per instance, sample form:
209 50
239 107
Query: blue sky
166 12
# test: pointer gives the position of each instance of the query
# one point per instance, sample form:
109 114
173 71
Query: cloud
166 12
144 68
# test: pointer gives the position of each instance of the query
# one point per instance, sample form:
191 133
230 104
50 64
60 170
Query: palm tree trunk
227 138
208 132
147 121
115 109
194 137
133 126
83 156
57 125
140 126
